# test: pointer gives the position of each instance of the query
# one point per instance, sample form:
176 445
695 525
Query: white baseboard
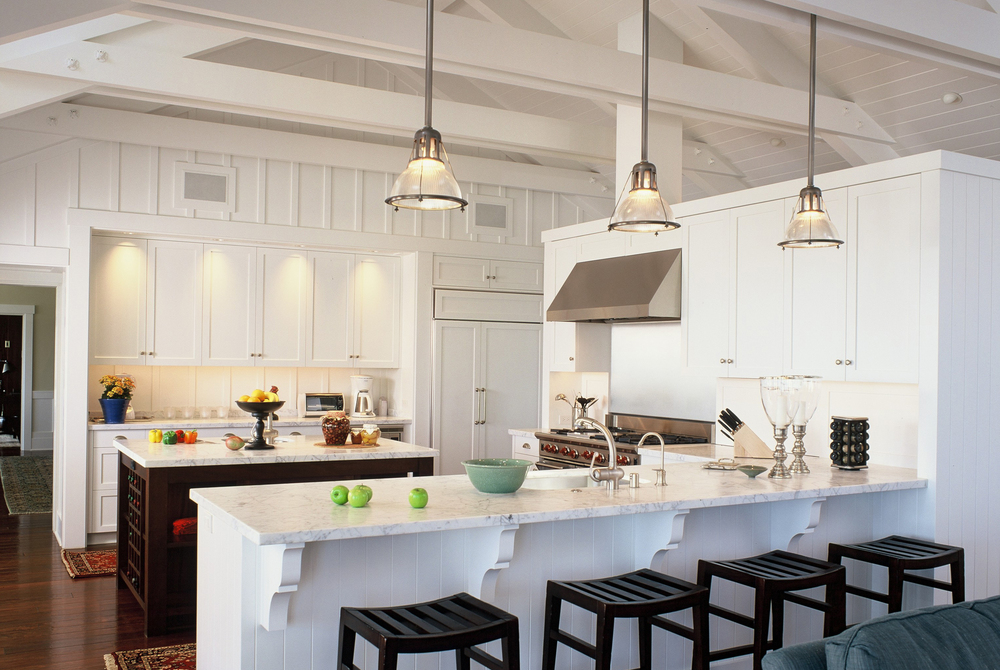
41 442
102 538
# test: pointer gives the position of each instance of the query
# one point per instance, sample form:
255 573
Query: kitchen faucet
661 474
611 475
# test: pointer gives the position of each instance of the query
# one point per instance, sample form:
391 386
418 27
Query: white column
665 131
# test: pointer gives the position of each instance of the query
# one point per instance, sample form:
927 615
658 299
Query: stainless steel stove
561 448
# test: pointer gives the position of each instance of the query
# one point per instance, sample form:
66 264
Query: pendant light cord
810 165
428 65
645 79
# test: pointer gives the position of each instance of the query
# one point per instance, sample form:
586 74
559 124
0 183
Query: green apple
339 494
357 497
418 498
367 489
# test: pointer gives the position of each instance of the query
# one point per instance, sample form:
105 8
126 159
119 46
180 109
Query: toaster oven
318 404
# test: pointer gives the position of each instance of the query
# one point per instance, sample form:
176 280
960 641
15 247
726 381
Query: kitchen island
286 558
158 566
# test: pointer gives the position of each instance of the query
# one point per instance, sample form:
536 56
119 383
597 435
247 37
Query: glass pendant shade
428 182
810 226
643 210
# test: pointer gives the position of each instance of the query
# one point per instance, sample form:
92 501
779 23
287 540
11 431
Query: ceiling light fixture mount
643 210
811 226
428 182
951 98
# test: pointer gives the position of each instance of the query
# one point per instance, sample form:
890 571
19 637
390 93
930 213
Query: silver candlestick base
798 466
780 470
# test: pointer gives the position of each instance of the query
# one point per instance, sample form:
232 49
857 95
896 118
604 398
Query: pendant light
428 182
811 226
643 210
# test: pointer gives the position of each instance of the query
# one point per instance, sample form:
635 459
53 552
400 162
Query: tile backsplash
161 387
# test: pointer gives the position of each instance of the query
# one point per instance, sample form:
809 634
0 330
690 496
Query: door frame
27 314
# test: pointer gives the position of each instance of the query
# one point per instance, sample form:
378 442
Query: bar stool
457 623
900 554
774 576
642 595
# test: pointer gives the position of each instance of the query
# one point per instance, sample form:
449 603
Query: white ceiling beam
74 33
516 14
723 37
383 30
22 92
859 152
113 125
714 184
995 4
20 19
301 99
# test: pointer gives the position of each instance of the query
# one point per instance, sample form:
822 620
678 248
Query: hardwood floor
50 621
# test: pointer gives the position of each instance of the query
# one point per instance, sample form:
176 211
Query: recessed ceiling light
777 142
951 98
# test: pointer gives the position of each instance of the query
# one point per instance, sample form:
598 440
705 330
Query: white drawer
525 447
103 512
106 438
104 470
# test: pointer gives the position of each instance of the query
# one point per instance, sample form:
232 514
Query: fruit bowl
259 411
497 475
262 407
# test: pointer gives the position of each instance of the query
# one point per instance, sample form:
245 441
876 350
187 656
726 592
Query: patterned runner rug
95 563
176 657
27 484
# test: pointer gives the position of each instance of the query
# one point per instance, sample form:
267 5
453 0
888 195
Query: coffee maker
361 397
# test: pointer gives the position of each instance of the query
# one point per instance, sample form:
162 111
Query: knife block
748 445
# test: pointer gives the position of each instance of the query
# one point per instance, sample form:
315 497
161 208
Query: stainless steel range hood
645 287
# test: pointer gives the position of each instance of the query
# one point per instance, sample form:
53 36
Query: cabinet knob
729 360
722 360
848 362
142 353
571 358
839 362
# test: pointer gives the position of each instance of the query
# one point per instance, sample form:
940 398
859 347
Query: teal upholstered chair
947 637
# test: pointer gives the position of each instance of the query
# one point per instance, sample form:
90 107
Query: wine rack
135 516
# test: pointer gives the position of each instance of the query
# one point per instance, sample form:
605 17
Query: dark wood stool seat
644 595
459 623
775 576
900 554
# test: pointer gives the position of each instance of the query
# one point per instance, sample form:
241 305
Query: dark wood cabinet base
160 568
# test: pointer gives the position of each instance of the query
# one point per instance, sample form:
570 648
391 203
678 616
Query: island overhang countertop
279 514
290 449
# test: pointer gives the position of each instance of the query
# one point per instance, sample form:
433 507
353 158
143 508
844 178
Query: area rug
9 441
176 657
27 484
95 563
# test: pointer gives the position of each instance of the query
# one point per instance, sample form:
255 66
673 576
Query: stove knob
573 453
587 455
564 451
623 460
600 458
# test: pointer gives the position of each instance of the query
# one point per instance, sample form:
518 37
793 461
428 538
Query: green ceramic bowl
752 471
497 475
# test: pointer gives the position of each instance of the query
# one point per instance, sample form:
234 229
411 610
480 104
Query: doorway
11 367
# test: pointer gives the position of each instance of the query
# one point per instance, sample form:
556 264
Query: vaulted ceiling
532 81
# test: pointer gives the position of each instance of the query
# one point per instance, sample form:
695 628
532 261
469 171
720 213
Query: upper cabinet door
516 276
563 334
759 309
816 300
330 318
229 306
376 311
281 308
117 301
883 304
173 300
511 360
705 304
461 272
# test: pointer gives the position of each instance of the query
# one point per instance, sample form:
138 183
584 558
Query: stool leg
699 657
835 620
387 657
553 606
605 638
958 578
778 621
511 646
645 644
346 652
761 617
895 587
462 662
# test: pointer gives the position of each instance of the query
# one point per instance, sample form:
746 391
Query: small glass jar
336 427
370 433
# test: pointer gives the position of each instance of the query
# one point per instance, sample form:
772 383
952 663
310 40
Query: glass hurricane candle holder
775 395
805 398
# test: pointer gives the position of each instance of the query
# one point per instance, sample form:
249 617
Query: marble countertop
523 432
237 422
694 453
304 513
291 449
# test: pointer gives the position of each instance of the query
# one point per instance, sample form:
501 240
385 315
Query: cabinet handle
476 421
848 362
483 419
839 362
526 446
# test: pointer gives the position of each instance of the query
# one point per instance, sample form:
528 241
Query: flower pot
114 409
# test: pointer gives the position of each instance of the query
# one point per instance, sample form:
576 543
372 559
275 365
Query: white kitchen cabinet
573 347
883 290
330 335
486 381
376 311
229 331
524 447
707 287
460 272
281 308
173 303
816 299
117 301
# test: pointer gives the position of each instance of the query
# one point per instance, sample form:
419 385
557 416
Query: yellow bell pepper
155 436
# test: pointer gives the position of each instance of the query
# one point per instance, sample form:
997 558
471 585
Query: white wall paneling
42 415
